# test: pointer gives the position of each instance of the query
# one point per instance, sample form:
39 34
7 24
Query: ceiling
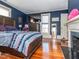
38 6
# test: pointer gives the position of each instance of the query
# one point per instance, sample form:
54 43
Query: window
5 11
45 19
45 23
44 28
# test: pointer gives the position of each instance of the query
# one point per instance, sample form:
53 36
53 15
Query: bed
18 43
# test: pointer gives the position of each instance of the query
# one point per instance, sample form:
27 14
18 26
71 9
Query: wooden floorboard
50 49
8 56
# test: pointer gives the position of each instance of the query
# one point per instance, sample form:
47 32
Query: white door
63 25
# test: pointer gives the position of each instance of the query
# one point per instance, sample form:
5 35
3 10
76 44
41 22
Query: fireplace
73 37
74 45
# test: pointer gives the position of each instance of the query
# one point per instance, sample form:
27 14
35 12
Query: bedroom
38 29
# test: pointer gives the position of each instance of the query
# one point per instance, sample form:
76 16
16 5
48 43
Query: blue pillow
10 28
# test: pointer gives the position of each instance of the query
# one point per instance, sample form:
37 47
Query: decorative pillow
2 28
10 28
26 28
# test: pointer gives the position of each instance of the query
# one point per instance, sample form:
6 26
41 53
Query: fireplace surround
73 37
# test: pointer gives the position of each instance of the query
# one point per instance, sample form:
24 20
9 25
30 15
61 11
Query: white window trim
6 8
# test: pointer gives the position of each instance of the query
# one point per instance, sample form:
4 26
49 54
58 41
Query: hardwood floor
8 56
50 49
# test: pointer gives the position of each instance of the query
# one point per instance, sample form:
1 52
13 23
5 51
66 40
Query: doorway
54 31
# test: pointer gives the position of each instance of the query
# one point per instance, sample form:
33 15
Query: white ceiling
37 6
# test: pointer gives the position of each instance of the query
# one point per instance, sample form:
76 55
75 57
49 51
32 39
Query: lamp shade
20 26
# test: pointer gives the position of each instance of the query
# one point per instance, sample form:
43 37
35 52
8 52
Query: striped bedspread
21 40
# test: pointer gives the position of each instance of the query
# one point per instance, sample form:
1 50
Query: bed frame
32 47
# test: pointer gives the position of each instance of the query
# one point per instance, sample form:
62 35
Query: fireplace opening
75 45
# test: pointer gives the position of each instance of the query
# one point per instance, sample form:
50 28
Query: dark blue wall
73 4
16 13
58 14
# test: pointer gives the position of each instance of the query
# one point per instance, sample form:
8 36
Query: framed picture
20 20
